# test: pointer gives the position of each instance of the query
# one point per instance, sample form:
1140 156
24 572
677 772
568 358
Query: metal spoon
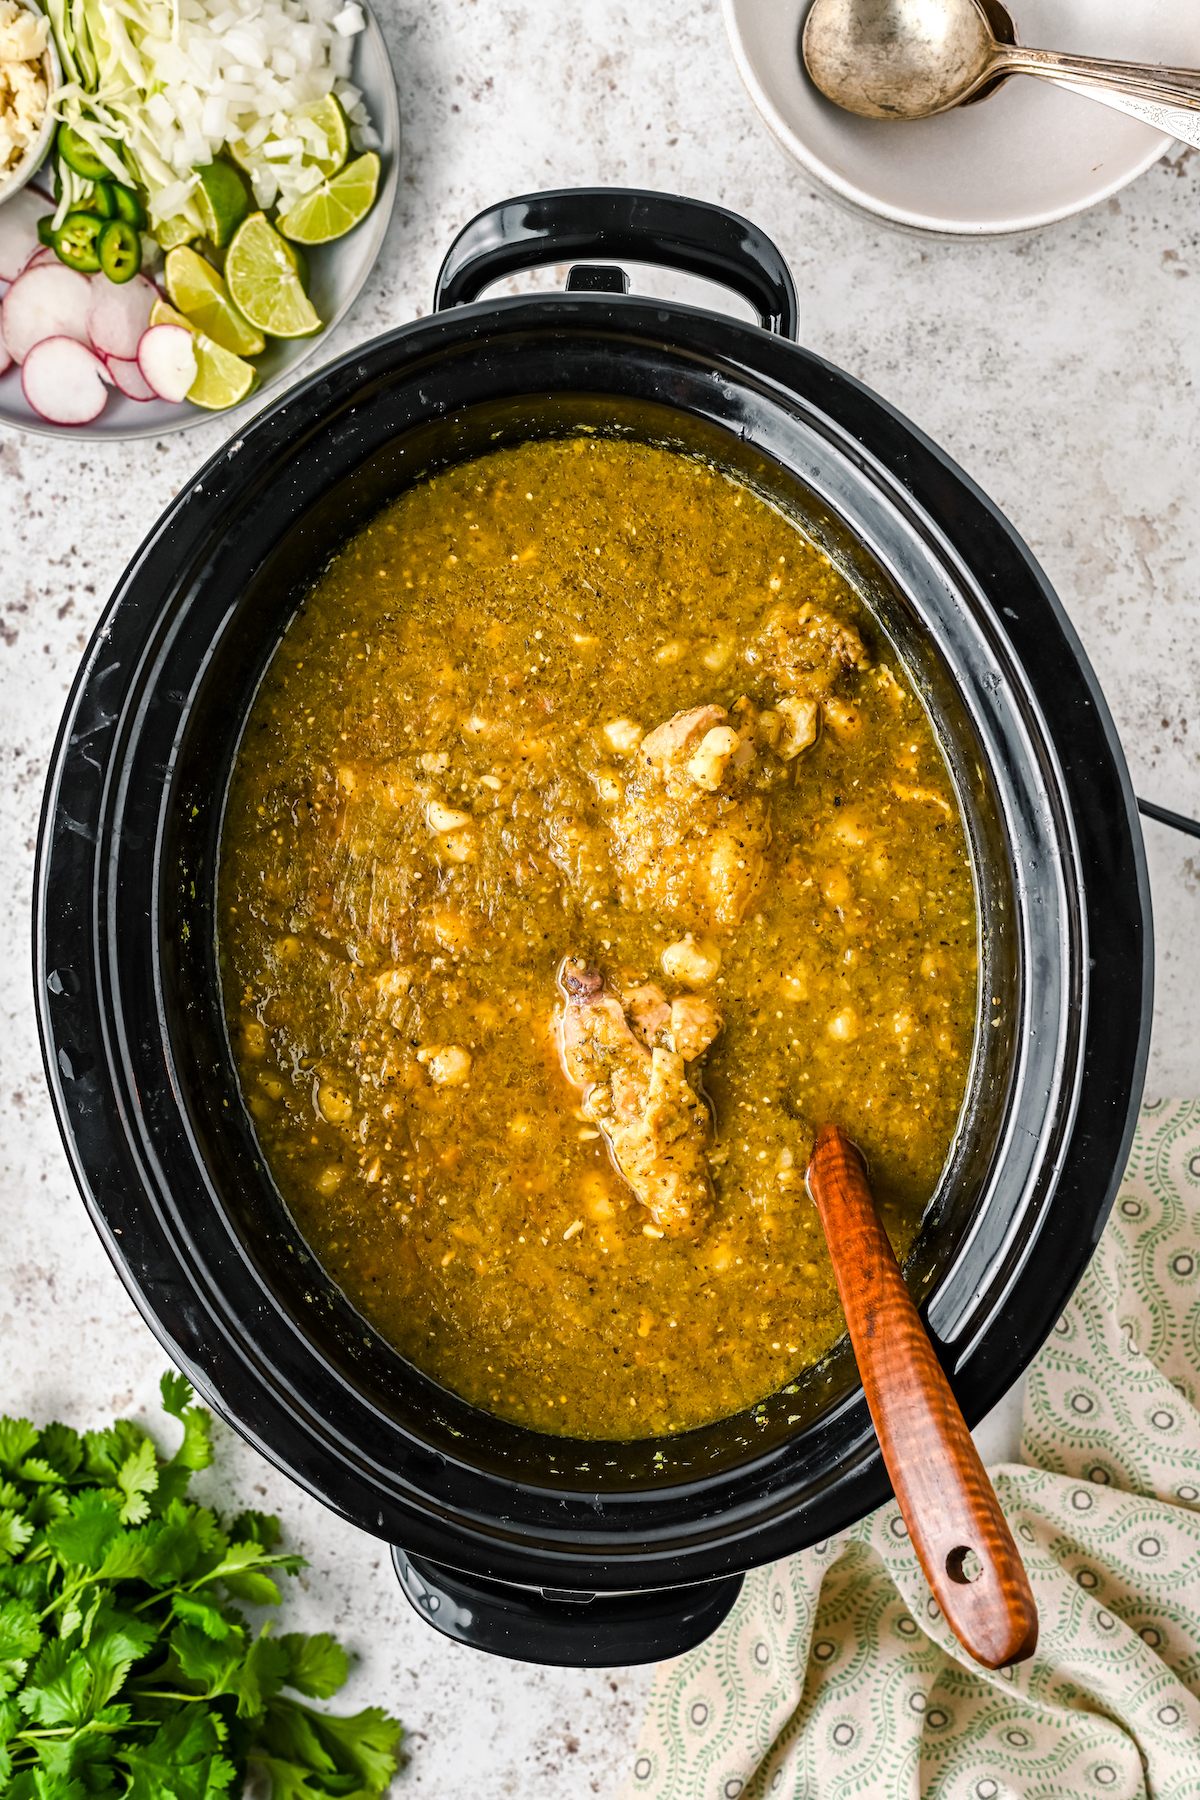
911 59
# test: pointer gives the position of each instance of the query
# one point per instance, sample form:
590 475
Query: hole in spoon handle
963 1564
949 1505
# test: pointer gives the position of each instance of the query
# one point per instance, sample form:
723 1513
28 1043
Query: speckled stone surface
1063 372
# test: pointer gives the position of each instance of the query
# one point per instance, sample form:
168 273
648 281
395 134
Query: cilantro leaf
20 1637
62 1448
17 1439
82 1752
289 1780
15 1533
20 1640
105 1451
57 1691
182 1761
319 1666
48 1504
287 1732
177 1393
36 1468
27 1581
207 1661
37 1784
253 1587
137 1477
86 1533
188 1541
130 1556
10 1721
96 1603
256 1527
261 1675
195 1452
116 1641
240 1568
70 1618
366 1744
204 1609
69 1687
207 1529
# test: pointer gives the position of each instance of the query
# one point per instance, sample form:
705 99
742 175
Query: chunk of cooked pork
689 836
695 1022
804 650
655 1124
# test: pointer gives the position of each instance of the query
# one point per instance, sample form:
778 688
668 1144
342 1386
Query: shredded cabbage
177 83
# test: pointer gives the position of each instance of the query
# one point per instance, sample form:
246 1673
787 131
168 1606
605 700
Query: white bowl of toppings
29 73
226 188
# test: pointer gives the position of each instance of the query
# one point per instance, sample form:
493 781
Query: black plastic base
568 1630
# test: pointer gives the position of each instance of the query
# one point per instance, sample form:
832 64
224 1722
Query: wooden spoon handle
948 1503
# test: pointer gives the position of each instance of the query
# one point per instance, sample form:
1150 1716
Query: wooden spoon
948 1503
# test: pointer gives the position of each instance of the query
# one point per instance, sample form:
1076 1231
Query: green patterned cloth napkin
836 1675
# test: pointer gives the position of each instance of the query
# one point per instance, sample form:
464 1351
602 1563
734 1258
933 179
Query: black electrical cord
1176 820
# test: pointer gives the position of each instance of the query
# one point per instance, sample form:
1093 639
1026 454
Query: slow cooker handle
573 223
566 1630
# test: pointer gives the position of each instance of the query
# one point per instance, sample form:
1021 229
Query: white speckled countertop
1063 372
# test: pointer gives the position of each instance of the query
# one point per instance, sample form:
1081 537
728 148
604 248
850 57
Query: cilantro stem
166 1694
58 1731
68 1593
155 1598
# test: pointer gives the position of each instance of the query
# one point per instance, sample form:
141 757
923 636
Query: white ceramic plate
1030 154
337 270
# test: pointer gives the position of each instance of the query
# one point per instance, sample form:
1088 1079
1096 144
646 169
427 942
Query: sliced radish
129 378
167 358
49 301
18 230
5 358
118 313
64 381
43 254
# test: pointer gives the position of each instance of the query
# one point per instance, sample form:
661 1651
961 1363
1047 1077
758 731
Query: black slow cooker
533 1546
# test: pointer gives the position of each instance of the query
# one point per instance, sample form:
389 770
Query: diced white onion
181 83
169 200
213 117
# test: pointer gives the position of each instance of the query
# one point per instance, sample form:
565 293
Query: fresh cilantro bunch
125 1671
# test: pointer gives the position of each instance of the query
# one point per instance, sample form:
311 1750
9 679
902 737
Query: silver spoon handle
1148 82
1171 119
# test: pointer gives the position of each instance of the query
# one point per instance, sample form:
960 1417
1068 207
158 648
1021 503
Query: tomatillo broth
588 848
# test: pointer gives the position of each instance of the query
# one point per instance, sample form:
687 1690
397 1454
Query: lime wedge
169 232
162 314
264 282
327 115
337 206
198 291
222 201
222 379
